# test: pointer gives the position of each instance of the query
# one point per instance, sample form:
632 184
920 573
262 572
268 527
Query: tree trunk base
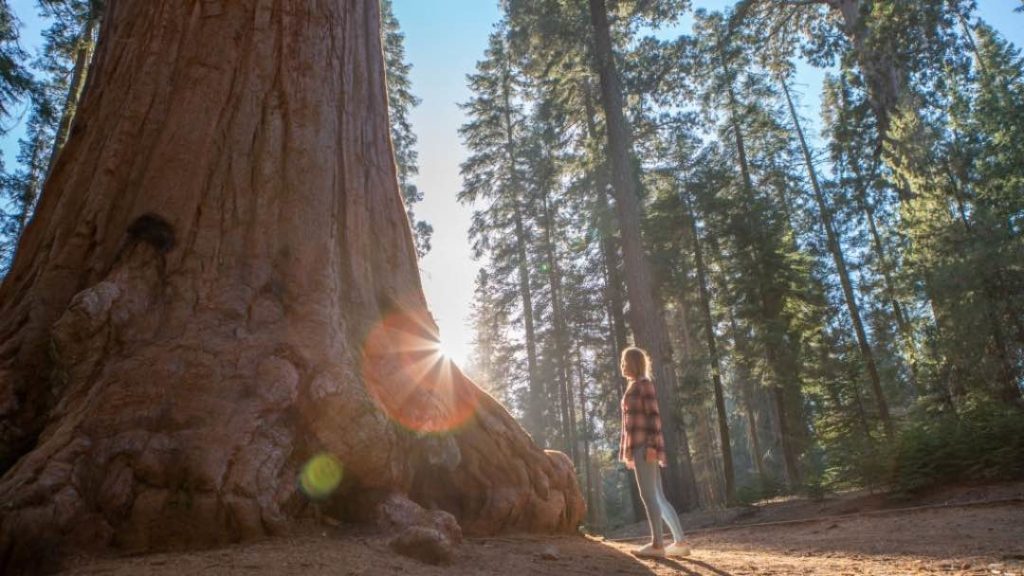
199 439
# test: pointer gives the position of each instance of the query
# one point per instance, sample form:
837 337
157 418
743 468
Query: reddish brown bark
220 282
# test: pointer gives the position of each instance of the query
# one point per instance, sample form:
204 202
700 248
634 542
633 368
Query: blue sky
444 39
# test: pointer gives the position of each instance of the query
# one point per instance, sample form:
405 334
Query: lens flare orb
321 476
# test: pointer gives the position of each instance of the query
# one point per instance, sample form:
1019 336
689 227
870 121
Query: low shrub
984 442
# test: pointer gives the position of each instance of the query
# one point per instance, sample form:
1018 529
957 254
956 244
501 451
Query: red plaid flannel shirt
641 423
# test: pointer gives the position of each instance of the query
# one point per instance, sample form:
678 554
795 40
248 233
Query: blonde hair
635 363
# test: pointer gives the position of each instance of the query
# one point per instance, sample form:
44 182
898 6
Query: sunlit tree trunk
220 282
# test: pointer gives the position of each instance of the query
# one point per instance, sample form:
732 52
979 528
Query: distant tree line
816 305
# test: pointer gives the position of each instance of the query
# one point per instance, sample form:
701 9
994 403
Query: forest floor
965 530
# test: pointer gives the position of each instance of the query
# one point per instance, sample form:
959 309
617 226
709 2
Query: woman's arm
652 415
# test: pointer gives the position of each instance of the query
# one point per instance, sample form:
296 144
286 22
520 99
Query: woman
643 450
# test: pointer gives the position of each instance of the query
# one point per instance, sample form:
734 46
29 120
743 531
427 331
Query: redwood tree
219 283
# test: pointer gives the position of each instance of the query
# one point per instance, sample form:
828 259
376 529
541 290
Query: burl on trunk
219 284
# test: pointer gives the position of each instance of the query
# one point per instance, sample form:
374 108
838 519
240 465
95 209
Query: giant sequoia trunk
220 282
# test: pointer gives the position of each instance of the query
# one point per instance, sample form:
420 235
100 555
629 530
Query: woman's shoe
678 549
649 551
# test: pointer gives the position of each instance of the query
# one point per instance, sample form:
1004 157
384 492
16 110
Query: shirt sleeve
649 400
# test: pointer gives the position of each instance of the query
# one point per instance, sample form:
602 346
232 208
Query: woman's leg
647 481
667 511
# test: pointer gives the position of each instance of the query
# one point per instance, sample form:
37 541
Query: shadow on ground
345 553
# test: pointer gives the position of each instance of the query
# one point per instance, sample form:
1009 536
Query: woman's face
624 368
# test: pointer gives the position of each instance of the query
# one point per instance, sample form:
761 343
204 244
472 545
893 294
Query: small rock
425 544
550 553
332 522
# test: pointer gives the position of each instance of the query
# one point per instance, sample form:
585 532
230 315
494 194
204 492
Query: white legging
648 478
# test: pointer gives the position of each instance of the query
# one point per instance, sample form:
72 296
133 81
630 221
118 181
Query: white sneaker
678 549
649 551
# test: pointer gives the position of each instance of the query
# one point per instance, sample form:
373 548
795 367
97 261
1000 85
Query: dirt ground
970 531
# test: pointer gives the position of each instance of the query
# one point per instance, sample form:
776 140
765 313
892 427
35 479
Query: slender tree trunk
537 400
906 330
79 74
573 432
746 385
836 249
770 305
588 466
713 356
535 416
219 283
645 315
612 279
902 322
609 247
561 345
613 288
601 508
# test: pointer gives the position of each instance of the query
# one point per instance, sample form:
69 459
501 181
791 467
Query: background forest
827 311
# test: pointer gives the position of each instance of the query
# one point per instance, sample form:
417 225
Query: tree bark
645 314
220 282
885 79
